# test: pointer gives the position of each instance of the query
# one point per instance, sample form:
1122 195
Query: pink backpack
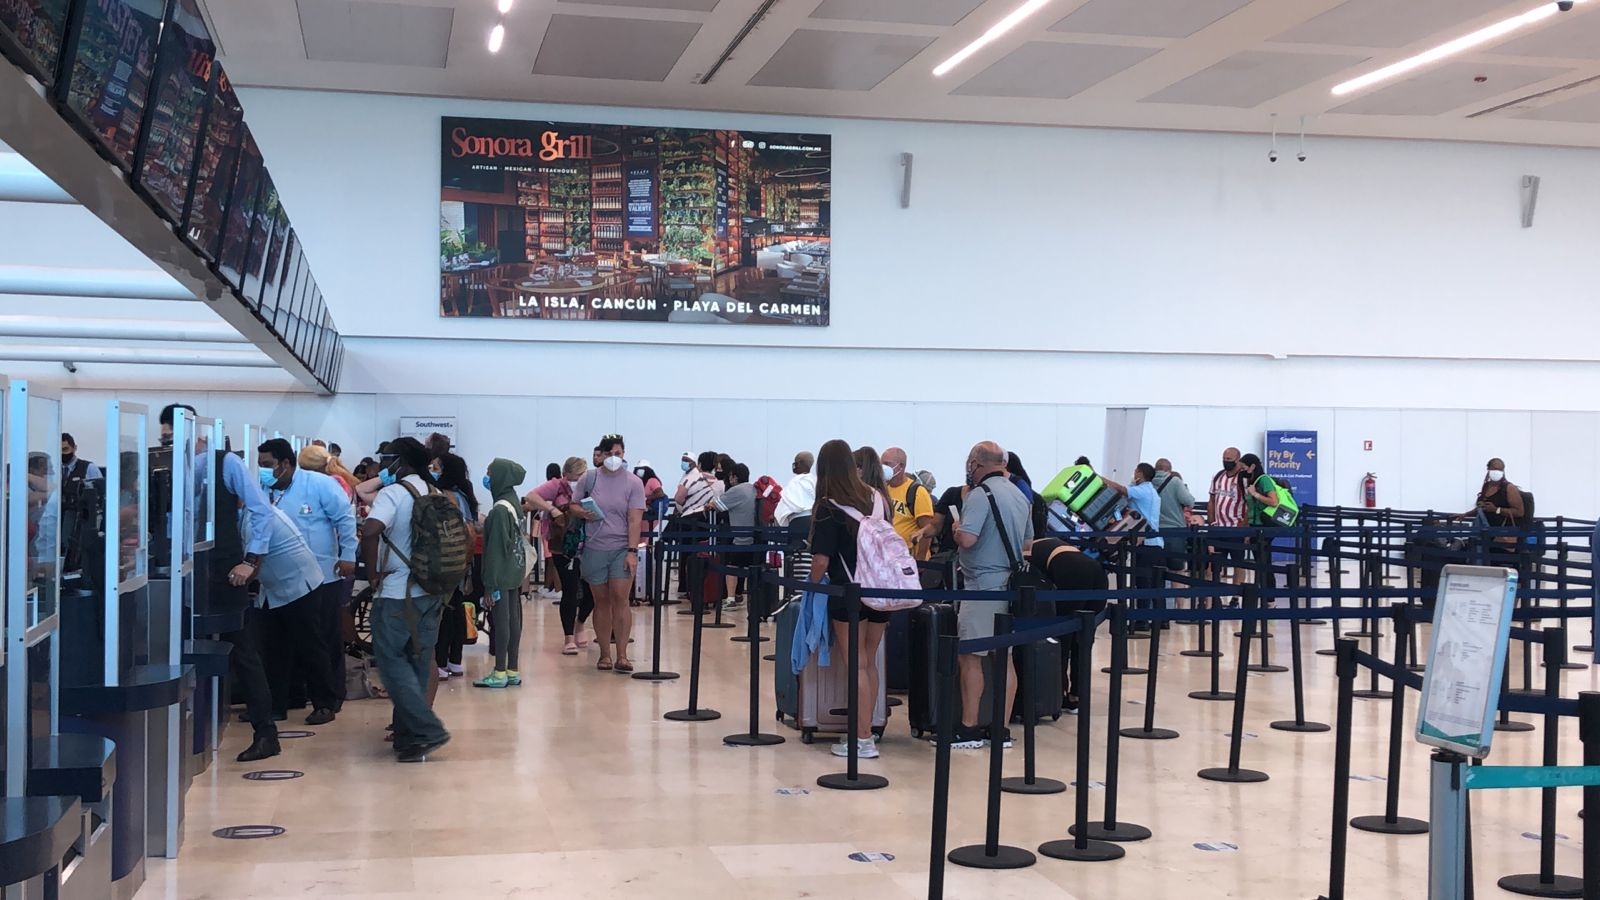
882 559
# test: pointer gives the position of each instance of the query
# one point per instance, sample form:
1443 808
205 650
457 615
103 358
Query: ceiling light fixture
496 38
993 34
1449 48
505 6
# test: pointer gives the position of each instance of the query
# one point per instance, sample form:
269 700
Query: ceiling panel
1571 35
389 34
1581 108
907 12
1253 77
603 47
1147 18
838 60
1388 23
1447 87
1049 69
686 5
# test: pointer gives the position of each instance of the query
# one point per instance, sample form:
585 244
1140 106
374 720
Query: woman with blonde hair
317 459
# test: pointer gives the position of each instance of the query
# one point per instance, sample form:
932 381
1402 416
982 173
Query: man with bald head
800 494
996 523
910 505
1227 510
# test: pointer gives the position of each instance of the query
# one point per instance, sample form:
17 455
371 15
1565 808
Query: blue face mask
387 477
486 483
267 478
685 465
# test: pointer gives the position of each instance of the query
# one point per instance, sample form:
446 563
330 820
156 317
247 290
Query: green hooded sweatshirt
504 544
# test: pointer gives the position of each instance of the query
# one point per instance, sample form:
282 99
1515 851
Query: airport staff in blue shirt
308 640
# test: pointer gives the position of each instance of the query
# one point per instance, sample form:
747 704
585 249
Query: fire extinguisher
1369 491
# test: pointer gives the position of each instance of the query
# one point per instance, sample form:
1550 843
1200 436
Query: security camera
1272 156
1301 156
1565 5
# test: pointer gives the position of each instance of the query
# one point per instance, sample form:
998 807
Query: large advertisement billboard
555 220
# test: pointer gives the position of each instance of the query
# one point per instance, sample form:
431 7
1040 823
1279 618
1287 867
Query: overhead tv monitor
214 170
31 35
110 63
272 266
296 313
182 92
241 212
292 291
266 215
274 295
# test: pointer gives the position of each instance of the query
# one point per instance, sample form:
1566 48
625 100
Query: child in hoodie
504 568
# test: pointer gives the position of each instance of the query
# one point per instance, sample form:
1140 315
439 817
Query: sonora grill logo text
551 146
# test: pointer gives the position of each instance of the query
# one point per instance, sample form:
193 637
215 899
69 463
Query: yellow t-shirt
905 519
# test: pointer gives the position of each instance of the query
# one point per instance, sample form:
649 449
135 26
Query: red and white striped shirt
1227 500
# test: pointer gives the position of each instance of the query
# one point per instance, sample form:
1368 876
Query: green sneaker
513 678
492 680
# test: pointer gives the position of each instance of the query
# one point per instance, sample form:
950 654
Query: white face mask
613 463
1496 475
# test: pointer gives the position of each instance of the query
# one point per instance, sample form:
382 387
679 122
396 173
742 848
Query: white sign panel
420 427
1471 626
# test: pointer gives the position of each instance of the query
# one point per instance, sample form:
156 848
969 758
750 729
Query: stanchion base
1302 727
1583 648
1327 651
673 602
686 611
1123 833
1202 654
1093 851
975 857
1381 825
1233 776
893 702
1571 667
1417 667
745 639
719 625
1154 734
1211 695
1512 725
1138 635
753 740
1358 634
1266 668
1313 621
840 781
1128 670
1369 694
1020 785
655 676
769 658
692 715
1530 885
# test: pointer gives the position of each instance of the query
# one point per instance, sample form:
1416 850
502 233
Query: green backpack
1286 512
441 551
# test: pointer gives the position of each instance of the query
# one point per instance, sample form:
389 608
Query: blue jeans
403 636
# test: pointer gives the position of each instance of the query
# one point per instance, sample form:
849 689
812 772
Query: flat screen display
182 92
31 34
111 64
272 268
219 155
266 215
241 212
292 286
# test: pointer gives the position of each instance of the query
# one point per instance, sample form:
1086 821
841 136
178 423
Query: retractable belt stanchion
758 588
1080 848
1545 882
1330 548
1216 692
657 580
1369 580
1233 774
1148 731
991 854
751 607
1110 829
1391 822
1369 589
1030 782
716 617
694 712
852 779
1266 589
1297 666
1505 722
1345 651
1562 551
1201 554
1589 733
948 689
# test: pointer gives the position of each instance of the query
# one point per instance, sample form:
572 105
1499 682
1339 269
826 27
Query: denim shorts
601 566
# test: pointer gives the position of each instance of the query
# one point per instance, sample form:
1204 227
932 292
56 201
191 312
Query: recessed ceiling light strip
993 34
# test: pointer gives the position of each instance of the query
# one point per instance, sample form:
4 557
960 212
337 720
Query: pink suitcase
824 689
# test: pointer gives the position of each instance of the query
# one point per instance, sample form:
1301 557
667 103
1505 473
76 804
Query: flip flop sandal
604 665
569 650
624 666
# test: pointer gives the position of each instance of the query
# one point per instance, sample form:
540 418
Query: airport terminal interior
1192 495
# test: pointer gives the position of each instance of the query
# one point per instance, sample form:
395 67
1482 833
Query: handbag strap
1005 537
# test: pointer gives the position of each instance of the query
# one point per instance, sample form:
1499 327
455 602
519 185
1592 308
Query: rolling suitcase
1085 493
809 700
931 620
897 651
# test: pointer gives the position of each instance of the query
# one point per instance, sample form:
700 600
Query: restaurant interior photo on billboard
554 220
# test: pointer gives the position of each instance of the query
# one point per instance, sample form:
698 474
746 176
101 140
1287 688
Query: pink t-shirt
557 492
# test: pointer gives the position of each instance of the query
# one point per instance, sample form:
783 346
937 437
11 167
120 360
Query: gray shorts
975 618
601 566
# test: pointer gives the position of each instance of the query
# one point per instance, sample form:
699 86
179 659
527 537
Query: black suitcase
931 620
897 651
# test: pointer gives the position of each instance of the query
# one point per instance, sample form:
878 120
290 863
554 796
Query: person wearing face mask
1499 504
739 502
910 505
564 536
454 478
304 634
613 523
696 491
873 472
504 557
1226 510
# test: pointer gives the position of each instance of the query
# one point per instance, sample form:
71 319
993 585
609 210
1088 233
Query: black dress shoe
419 753
261 748
320 717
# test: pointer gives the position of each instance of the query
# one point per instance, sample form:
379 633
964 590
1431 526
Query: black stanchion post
1369 589
653 577
1546 883
948 689
716 616
1297 666
1216 692
757 591
991 854
1030 782
1346 665
1331 549
1589 733
1080 848
1148 731
1505 722
1366 574
852 779
1562 551
694 712
1200 556
1391 822
1233 774
1110 829
1266 592
757 613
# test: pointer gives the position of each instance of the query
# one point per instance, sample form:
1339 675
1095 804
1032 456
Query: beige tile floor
574 786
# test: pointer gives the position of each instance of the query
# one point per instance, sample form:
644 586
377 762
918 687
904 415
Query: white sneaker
866 748
444 674
457 670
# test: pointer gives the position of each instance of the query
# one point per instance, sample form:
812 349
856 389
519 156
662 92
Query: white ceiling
1212 65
